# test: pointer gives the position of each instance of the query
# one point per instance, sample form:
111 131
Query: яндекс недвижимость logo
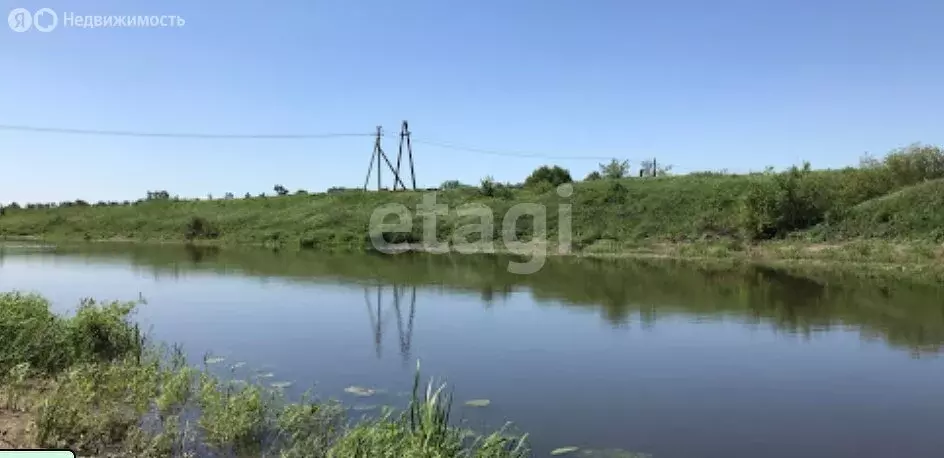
43 20
46 20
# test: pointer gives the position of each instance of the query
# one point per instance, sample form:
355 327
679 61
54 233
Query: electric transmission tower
378 154
405 141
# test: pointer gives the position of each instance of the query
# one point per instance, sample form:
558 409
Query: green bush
915 163
233 420
32 334
616 193
774 207
199 228
548 175
451 184
492 188
94 407
103 332
798 199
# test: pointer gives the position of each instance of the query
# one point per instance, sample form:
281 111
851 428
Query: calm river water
652 357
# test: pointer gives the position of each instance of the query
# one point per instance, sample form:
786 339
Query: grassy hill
914 211
897 197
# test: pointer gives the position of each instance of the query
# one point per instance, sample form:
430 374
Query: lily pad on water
265 375
613 453
214 360
564 451
364 407
360 391
237 365
478 403
281 385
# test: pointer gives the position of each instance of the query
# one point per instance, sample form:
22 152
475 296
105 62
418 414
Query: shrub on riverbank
801 199
90 383
33 335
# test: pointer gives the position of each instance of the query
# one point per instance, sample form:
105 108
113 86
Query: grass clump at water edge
92 383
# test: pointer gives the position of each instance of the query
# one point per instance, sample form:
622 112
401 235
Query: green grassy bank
92 383
895 200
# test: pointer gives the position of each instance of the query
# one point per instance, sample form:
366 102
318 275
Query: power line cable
506 153
119 133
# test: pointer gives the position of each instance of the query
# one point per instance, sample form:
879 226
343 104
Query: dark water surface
653 357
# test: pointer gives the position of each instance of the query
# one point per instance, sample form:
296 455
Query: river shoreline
921 261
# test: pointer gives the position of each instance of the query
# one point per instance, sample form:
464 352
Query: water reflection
379 319
903 314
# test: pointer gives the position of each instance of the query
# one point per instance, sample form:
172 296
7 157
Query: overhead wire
505 153
300 136
121 133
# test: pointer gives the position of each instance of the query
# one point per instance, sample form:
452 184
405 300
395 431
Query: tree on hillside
593 176
229 196
651 168
915 163
492 188
553 175
247 196
158 195
615 169
280 190
868 161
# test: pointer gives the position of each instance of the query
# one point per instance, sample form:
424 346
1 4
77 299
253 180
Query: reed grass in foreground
91 382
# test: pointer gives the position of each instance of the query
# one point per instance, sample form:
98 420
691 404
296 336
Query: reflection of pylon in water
378 320
406 338
375 324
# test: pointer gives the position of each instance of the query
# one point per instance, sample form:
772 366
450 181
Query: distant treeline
555 175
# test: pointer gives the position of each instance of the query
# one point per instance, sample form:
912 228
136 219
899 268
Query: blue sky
700 85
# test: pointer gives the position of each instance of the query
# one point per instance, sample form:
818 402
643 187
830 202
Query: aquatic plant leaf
478 403
214 360
364 407
281 385
360 391
613 453
564 451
